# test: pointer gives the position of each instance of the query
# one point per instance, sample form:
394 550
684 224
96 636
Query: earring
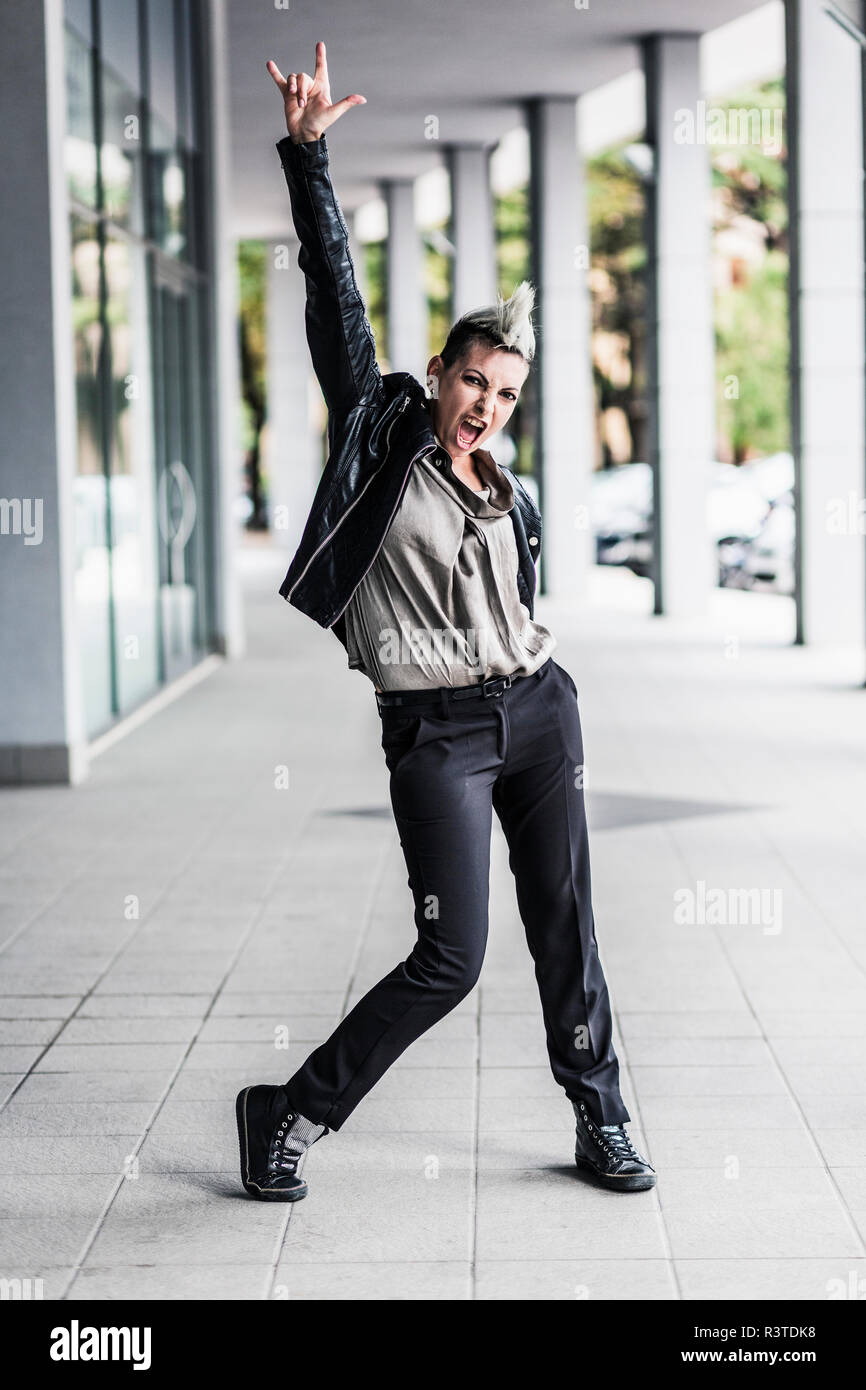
433 385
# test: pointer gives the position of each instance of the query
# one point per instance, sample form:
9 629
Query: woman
419 553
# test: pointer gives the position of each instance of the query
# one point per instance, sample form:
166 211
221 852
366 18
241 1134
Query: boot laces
280 1158
618 1141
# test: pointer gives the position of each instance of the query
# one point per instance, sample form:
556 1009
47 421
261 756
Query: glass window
161 55
80 150
194 446
132 481
167 181
92 555
120 69
119 43
142 558
179 488
167 186
79 14
121 154
189 106
187 96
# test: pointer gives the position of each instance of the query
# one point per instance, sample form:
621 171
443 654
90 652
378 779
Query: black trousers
452 764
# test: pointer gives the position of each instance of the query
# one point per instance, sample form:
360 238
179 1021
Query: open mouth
468 431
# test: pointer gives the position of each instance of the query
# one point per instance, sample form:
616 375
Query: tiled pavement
164 920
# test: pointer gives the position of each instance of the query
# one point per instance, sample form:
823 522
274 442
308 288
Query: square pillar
565 412
293 450
474 274
42 732
680 330
825 190
228 611
406 293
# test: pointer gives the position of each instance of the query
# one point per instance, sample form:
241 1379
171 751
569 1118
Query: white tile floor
162 922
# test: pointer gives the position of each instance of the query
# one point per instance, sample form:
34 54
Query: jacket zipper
320 547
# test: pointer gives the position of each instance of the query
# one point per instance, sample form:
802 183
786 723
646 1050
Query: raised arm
341 343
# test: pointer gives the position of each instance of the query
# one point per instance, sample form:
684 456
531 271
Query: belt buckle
504 682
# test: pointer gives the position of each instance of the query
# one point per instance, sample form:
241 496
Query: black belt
486 690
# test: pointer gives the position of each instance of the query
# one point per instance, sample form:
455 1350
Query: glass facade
140 301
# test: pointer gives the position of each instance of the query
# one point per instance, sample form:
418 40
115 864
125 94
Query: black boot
607 1153
273 1139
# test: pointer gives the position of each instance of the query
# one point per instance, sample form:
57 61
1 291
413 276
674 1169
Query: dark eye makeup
476 381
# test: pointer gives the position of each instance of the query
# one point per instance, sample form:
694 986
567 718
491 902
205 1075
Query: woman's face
474 398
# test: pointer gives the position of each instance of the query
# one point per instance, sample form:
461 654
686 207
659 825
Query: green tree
251 330
616 211
751 309
374 274
752 362
513 264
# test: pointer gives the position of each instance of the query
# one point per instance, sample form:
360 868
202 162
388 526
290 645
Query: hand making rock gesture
307 100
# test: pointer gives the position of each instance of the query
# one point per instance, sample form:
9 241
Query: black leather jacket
378 426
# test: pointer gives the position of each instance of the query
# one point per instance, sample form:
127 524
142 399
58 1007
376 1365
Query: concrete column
825 145
680 329
42 731
560 264
406 295
293 454
474 282
226 479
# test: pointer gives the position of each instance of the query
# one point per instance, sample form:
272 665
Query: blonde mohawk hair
507 324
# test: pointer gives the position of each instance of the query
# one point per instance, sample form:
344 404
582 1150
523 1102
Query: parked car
736 508
769 560
773 475
621 508
749 514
